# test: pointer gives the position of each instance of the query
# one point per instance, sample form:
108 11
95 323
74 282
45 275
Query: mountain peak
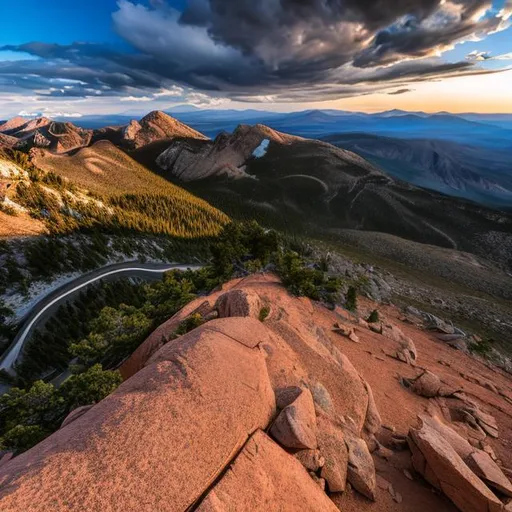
12 124
157 116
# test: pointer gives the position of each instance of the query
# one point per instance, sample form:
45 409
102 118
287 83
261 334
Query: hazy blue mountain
476 173
487 130
321 123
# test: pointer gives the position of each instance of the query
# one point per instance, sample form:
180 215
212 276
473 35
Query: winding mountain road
53 300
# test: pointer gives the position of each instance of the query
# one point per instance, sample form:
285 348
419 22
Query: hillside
313 187
122 213
104 169
320 411
444 166
7 141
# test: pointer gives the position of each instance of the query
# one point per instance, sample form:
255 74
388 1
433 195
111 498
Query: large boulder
162 438
238 303
439 463
361 469
295 427
477 460
264 478
427 384
331 443
373 420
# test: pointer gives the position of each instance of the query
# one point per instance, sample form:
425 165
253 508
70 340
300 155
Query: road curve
10 356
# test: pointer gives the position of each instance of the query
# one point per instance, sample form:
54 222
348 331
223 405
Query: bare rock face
332 446
75 414
361 469
264 478
373 421
312 460
227 155
295 427
238 303
146 443
185 431
484 467
439 463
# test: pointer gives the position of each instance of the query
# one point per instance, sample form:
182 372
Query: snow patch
262 149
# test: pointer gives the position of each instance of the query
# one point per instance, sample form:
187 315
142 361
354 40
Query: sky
62 58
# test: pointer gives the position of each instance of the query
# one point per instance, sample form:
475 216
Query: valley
131 181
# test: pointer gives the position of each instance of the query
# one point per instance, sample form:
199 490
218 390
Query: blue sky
112 56
57 21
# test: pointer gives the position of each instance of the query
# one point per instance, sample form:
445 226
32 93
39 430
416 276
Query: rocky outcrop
155 127
440 464
6 141
227 155
361 469
332 446
172 427
244 415
263 478
238 303
428 385
44 133
295 426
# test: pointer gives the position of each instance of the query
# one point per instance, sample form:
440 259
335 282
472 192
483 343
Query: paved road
54 299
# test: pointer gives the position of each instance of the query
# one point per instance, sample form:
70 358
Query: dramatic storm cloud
265 50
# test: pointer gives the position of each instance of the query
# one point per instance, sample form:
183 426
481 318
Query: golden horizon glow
486 94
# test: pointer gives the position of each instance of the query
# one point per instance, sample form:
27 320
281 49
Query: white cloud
481 56
48 113
136 98
171 92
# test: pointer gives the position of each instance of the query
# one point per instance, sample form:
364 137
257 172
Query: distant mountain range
477 173
305 184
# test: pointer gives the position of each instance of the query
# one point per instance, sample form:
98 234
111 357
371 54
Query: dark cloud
285 49
399 91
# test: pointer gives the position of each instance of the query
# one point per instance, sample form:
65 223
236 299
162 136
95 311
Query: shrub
22 437
304 280
351 299
482 347
189 324
264 312
374 317
243 247
89 387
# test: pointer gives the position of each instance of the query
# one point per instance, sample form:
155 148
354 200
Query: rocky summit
303 408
